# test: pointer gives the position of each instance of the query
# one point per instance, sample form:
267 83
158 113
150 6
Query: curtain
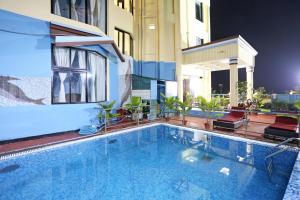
74 14
91 77
73 56
93 20
62 57
81 59
101 14
100 79
57 8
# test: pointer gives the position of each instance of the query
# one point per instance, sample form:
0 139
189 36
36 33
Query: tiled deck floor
254 131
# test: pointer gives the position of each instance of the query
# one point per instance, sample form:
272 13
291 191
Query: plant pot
206 125
167 119
136 116
184 122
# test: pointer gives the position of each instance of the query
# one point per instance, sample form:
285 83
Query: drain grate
9 168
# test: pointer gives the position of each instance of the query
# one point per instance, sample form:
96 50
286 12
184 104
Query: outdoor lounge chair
233 120
283 128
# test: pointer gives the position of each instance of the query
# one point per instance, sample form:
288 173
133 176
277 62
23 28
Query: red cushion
239 114
230 118
288 127
286 120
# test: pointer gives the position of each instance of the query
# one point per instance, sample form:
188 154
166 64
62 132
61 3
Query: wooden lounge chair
233 120
283 128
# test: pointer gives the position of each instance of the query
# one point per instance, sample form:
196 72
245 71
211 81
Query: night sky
272 27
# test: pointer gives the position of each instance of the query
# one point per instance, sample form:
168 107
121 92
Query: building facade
59 58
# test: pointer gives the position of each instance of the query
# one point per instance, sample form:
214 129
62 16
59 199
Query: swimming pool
155 162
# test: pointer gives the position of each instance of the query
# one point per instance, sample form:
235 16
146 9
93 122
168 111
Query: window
199 11
79 76
91 12
124 42
199 41
125 4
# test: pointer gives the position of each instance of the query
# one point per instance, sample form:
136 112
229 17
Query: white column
207 84
234 78
179 84
250 81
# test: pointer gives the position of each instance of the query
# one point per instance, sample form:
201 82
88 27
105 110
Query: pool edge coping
291 189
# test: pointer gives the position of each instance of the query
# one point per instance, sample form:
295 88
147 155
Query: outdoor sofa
283 128
234 120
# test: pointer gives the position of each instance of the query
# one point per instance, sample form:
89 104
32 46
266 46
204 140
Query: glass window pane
61 8
78 59
61 87
78 10
61 57
78 90
127 44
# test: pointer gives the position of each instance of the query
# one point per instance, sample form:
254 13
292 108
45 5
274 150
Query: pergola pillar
250 71
234 78
179 78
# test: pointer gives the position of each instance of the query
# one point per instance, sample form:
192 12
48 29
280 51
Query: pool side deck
254 131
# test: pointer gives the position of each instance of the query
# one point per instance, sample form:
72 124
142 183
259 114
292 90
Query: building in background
60 57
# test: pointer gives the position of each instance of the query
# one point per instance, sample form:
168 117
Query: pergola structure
227 54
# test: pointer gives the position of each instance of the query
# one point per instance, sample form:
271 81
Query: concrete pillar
250 81
234 78
178 51
179 82
207 84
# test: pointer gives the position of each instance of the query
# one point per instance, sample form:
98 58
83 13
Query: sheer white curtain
73 55
100 79
101 15
74 14
93 20
57 8
92 77
81 59
62 57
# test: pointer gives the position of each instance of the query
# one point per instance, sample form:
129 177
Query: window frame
86 13
123 41
70 70
200 4
123 5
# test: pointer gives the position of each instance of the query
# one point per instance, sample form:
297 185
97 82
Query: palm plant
107 108
169 103
184 108
135 107
208 106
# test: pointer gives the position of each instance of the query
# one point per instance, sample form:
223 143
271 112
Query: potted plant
135 107
208 107
107 108
183 108
169 105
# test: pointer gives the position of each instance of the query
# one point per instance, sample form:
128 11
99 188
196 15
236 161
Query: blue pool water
158 162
